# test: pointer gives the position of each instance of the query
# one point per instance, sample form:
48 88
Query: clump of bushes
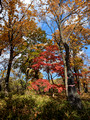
31 106
18 107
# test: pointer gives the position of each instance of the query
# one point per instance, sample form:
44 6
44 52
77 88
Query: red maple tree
50 60
45 86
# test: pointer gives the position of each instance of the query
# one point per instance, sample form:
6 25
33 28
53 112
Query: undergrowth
31 106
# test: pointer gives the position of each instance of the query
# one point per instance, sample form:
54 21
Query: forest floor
32 106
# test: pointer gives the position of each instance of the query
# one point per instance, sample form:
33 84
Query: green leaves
31 48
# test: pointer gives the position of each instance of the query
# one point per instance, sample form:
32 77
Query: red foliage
78 92
49 59
77 74
45 85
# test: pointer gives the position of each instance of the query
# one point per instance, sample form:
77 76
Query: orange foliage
16 23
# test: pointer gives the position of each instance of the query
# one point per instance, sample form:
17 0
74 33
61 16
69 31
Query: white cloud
29 1
81 53
26 1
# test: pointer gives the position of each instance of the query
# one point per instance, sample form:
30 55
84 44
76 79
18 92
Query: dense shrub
40 107
43 85
18 107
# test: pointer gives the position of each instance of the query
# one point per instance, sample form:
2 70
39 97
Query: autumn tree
50 62
17 20
68 17
76 57
35 43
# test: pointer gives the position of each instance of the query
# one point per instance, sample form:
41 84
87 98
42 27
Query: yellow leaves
76 40
30 82
76 61
35 48
71 37
16 24
71 62
88 41
39 45
2 73
30 71
79 2
25 43
84 70
29 12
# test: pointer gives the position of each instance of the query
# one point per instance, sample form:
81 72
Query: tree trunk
65 74
26 82
77 79
65 70
8 70
52 78
48 72
1 51
36 74
73 97
0 88
85 87
1 8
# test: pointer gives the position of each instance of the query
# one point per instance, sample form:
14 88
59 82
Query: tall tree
66 16
49 61
16 21
35 43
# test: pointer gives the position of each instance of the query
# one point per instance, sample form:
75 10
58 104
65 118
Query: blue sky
87 51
